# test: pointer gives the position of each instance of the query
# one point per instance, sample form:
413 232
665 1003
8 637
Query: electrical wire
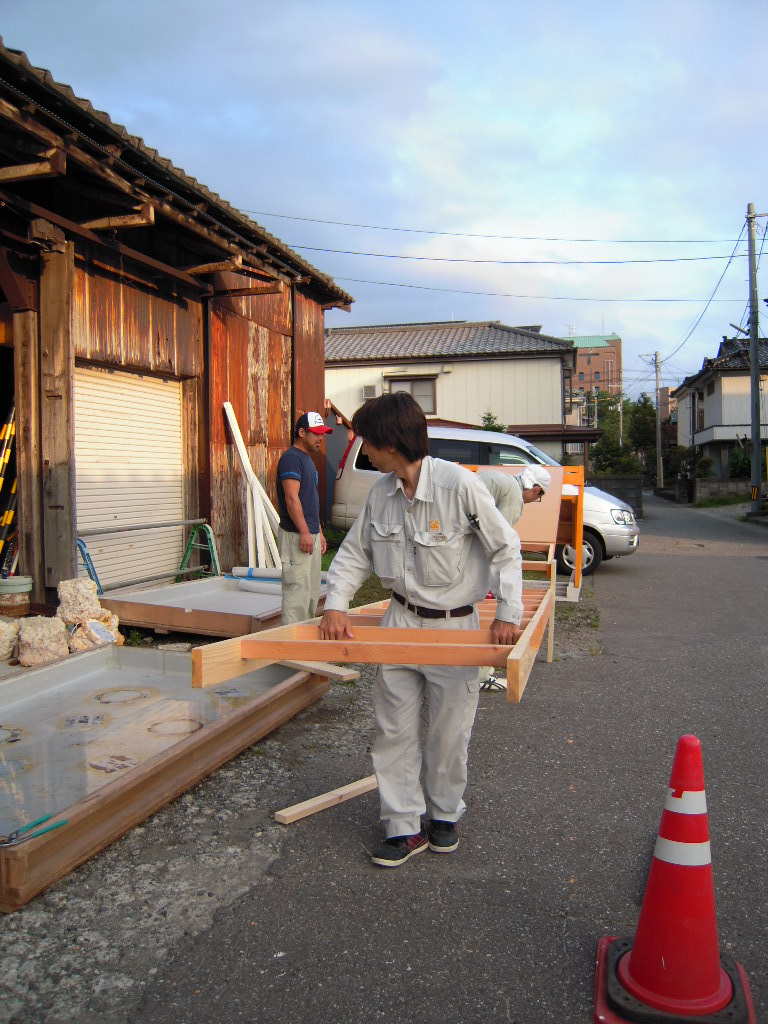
709 301
505 263
512 295
515 238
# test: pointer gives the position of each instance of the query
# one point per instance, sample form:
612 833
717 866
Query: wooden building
133 303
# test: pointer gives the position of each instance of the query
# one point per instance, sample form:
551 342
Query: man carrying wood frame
432 534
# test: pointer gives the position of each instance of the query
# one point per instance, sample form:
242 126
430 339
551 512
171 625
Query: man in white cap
510 494
300 539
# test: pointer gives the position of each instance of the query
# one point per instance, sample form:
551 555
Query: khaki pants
452 693
300 577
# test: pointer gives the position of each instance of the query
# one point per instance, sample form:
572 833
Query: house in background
458 372
713 405
133 303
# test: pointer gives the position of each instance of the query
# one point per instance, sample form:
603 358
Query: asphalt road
565 798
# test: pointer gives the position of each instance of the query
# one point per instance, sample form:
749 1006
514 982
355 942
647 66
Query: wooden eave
86 142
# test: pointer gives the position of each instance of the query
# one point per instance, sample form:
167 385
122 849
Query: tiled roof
437 341
98 128
733 355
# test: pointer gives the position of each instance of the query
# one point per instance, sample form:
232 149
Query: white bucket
14 595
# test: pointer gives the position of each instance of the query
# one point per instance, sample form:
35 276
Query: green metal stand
209 546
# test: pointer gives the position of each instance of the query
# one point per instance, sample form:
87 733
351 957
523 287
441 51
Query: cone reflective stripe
673 969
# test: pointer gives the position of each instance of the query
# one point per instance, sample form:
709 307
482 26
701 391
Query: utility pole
754 362
621 408
659 462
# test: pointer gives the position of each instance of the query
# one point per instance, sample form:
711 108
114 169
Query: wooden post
57 365
26 365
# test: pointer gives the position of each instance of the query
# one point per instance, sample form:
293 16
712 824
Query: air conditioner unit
370 391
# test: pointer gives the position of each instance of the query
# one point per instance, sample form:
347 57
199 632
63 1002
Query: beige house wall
515 390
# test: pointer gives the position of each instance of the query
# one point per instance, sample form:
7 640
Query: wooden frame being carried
376 644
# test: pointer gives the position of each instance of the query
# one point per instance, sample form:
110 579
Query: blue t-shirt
295 464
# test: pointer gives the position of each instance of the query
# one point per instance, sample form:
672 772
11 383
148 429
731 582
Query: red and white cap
313 422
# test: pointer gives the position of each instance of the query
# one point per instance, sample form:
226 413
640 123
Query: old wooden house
133 303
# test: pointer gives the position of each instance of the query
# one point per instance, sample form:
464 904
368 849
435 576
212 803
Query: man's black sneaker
443 836
398 849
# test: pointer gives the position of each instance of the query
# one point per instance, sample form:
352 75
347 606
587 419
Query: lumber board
523 654
217 663
325 800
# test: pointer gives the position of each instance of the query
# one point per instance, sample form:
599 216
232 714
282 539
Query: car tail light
340 470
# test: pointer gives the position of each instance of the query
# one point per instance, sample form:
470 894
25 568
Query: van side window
504 455
465 452
363 462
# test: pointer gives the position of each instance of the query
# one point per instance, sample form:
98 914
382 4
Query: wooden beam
232 263
57 415
73 228
144 217
54 167
321 803
267 289
219 662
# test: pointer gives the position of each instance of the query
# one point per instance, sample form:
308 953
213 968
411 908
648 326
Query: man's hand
307 542
505 633
335 626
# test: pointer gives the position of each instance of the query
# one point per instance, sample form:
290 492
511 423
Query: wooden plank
377 646
321 803
216 663
100 818
342 675
523 654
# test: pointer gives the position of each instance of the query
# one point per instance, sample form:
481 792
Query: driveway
212 912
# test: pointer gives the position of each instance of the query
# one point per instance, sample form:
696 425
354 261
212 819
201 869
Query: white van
610 527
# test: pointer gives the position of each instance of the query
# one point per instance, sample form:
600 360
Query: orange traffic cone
673 970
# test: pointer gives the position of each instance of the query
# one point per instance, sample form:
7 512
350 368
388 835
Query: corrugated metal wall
120 320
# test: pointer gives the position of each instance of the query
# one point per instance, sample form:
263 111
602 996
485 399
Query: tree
641 430
491 423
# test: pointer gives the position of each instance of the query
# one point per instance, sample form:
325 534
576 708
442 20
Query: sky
586 167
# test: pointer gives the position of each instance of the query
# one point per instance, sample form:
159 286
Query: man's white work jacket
445 549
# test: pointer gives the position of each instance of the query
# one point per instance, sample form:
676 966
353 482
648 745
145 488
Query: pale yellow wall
515 390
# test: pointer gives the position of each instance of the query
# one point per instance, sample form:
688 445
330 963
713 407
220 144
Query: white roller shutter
129 471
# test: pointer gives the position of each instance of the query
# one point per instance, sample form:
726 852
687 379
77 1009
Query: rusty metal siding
271 311
309 357
309 368
119 321
250 367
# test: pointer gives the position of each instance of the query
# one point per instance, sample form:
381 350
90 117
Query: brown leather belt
434 613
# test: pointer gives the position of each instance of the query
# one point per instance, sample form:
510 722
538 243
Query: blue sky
475 146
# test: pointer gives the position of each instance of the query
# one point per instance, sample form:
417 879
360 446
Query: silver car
610 527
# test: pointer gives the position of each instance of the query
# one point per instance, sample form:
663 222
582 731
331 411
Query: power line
709 301
511 295
504 263
469 234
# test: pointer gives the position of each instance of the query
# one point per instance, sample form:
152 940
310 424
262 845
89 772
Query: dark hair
395 420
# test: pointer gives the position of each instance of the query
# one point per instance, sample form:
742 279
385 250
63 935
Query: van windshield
542 457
